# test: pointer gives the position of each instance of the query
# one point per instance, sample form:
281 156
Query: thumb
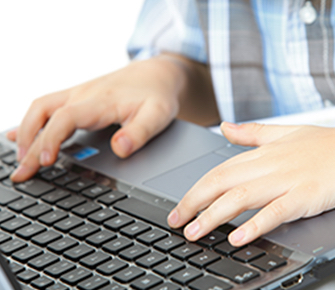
254 134
148 122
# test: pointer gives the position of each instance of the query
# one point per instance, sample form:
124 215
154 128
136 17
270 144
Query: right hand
142 97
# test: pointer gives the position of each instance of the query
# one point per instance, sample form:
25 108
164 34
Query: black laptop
95 222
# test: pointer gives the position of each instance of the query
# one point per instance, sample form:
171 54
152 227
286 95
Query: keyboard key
117 245
118 222
57 286
21 204
4 174
14 224
62 245
129 274
27 253
53 173
66 179
152 259
55 196
46 238
111 267
169 267
95 259
226 249
60 268
27 275
135 229
5 216
248 254
152 236
4 151
186 276
16 268
233 271
71 202
34 187
4 237
96 191
186 251
134 252
37 210
42 282
12 246
209 283
169 243
203 259
100 238
169 286
68 224
111 197
269 262
9 159
7 182
146 282
7 195
85 209
75 276
84 231
102 215
43 261
78 252
113 286
212 239
52 217
80 184
29 231
93 283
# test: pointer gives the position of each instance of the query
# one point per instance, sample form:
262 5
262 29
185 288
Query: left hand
289 176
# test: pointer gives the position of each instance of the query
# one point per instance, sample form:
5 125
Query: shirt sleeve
170 26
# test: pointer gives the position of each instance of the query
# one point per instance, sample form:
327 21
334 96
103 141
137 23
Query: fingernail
19 171
21 152
231 125
237 236
125 144
173 217
45 158
193 228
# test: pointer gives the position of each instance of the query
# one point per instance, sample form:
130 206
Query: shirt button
307 13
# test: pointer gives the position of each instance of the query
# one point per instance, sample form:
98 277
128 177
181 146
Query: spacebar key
147 212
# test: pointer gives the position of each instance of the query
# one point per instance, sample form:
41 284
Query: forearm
195 91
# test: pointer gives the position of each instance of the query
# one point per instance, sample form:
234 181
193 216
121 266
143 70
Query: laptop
93 221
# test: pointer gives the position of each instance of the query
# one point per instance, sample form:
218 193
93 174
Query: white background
47 46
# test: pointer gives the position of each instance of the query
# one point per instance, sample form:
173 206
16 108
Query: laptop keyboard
64 229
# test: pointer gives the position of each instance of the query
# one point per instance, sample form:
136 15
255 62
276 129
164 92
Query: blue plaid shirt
264 59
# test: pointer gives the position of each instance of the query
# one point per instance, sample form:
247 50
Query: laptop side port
294 281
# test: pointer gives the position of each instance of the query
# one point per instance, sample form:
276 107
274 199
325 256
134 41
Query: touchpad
178 181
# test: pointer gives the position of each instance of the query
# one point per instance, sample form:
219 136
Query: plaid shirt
264 59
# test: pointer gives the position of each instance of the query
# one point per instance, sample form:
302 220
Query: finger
11 135
286 208
214 184
148 121
36 117
253 134
60 126
250 195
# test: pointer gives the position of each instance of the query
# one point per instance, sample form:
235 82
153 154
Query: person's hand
289 176
143 98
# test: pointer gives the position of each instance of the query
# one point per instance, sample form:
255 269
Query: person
206 61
